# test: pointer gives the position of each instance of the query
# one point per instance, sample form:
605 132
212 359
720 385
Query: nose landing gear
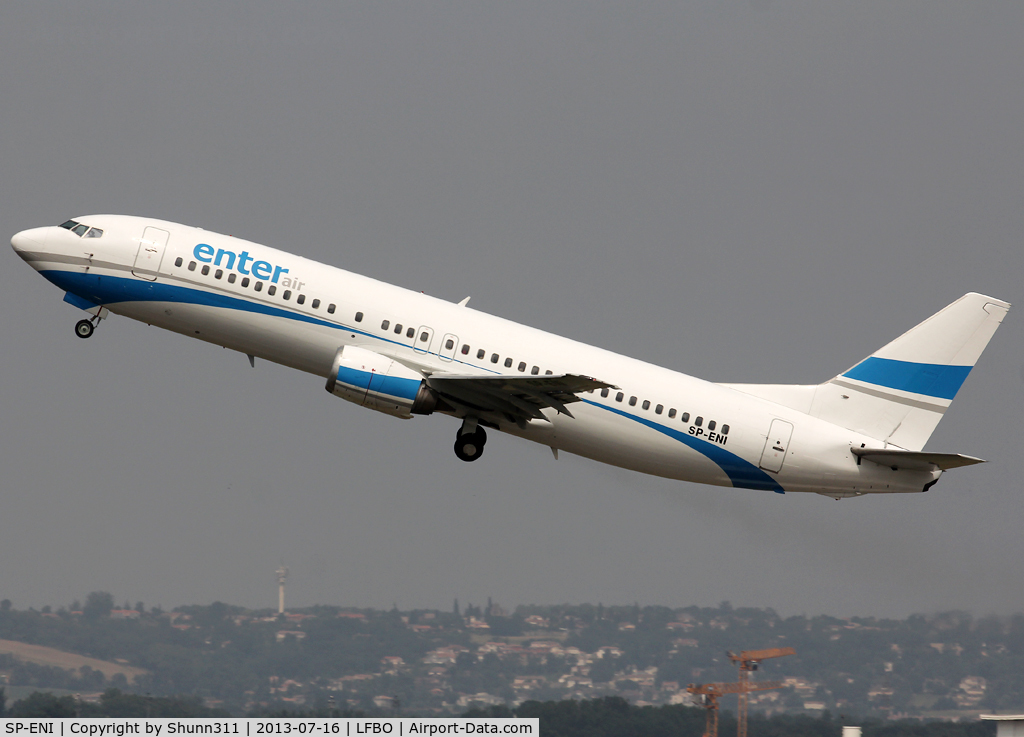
85 328
470 442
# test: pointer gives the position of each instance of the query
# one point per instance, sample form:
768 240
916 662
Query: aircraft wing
517 398
916 460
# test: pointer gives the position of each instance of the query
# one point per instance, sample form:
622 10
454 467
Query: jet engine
371 380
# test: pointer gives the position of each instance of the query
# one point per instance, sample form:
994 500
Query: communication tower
282 574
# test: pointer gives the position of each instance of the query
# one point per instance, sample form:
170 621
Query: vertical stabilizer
899 393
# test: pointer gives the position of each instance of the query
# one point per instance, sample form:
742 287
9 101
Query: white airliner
404 353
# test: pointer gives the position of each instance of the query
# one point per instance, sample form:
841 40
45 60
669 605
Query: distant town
950 665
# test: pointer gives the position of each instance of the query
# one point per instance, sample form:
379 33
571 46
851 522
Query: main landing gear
470 442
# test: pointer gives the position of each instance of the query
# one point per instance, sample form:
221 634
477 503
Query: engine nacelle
371 380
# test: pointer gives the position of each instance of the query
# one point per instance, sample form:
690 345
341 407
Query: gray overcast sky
745 190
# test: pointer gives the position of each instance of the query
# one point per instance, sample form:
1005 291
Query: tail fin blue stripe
929 379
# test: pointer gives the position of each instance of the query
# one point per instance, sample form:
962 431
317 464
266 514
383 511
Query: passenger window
725 429
271 290
685 417
206 270
646 404
711 425
480 353
178 261
287 294
191 265
424 336
465 350
604 392
548 373
359 315
522 365
231 277
632 401
619 396
672 413
245 281
218 273
385 325
508 363
535 370
699 421
330 309
301 299
258 286
410 332
315 304
449 344
398 328
658 410
494 358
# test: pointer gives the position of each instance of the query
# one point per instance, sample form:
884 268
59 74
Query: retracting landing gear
85 328
470 442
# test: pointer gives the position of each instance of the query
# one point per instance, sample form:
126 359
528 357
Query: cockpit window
82 230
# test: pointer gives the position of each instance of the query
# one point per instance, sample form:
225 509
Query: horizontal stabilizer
914 460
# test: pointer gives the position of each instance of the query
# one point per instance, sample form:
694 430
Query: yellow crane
709 694
748 661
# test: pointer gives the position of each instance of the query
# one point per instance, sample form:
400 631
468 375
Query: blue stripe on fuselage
106 290
100 289
742 473
928 379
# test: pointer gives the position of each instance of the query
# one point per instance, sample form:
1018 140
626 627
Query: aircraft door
150 253
775 446
423 339
448 345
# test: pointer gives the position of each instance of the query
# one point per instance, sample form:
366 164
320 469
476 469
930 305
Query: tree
5 605
42 704
98 604
3 701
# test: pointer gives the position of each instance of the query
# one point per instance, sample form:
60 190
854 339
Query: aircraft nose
29 240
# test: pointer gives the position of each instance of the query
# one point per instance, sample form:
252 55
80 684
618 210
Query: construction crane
748 661
709 694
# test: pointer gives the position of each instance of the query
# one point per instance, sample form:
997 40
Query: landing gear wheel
84 328
470 446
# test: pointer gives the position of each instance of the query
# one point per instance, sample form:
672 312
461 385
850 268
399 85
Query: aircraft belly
301 346
602 436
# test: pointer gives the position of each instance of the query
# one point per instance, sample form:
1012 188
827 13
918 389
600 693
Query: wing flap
519 398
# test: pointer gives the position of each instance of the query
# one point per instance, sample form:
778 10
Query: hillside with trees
426 662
